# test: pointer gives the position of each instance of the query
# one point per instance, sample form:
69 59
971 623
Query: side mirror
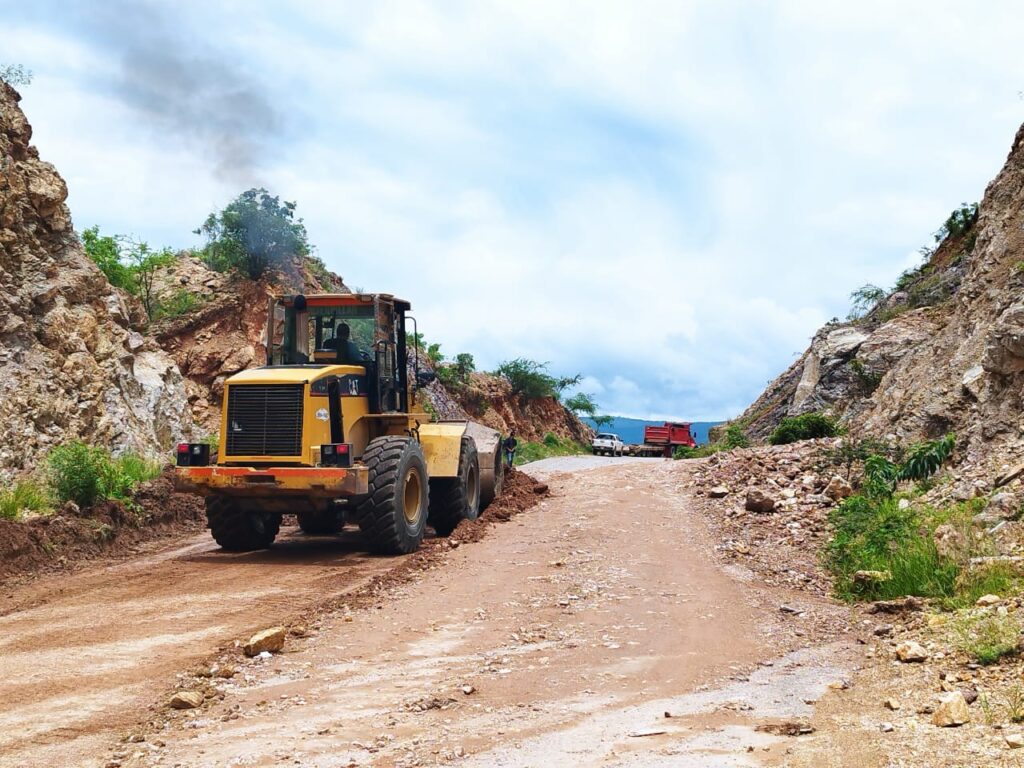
425 377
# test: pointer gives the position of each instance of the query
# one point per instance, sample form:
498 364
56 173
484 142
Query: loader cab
308 332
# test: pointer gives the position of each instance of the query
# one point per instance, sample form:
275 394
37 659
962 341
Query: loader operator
348 352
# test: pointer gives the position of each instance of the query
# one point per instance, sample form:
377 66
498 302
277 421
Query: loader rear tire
394 514
320 523
491 491
240 530
454 499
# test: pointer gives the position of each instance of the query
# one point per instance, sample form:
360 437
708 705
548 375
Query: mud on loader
330 431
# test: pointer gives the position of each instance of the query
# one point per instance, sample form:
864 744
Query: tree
602 421
15 74
105 251
865 299
144 264
128 264
531 381
465 365
581 402
434 354
254 233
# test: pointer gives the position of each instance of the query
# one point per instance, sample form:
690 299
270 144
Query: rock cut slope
951 360
72 364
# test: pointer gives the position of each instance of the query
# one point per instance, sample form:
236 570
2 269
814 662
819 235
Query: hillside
74 362
942 351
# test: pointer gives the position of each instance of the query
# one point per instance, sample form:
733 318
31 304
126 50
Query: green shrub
865 299
924 459
804 427
699 452
86 474
180 303
453 375
867 379
26 495
76 472
735 437
959 221
531 381
551 439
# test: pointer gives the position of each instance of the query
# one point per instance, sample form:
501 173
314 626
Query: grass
551 445
25 496
987 637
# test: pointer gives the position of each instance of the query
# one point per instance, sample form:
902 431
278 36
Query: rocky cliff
944 352
72 364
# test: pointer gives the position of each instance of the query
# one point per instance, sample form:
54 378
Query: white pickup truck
607 443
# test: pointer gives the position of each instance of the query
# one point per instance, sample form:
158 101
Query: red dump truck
664 439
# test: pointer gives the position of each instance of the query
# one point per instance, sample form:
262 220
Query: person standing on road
510 444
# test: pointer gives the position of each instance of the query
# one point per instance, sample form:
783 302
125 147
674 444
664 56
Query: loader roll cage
304 331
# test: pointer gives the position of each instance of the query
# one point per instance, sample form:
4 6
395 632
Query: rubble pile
771 506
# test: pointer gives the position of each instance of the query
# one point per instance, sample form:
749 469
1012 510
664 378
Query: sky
668 198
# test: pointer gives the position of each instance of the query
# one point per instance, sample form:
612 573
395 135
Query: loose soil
109 530
84 653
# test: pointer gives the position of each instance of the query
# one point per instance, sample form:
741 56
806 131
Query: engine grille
265 420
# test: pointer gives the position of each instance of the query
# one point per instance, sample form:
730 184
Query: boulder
838 489
987 600
973 381
910 652
269 640
759 501
186 700
865 578
1004 505
948 540
951 711
841 342
718 492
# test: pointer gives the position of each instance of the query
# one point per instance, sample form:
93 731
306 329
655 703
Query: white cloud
666 197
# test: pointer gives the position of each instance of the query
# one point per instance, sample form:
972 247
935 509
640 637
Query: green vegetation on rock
807 426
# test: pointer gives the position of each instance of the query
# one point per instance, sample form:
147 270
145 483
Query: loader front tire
394 514
239 530
454 499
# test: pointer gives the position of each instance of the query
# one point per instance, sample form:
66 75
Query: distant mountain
632 430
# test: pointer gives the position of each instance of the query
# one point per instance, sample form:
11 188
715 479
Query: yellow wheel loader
329 430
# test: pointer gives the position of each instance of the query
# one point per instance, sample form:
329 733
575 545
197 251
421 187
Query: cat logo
322 414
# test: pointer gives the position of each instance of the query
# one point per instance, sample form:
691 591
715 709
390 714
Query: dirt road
562 638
